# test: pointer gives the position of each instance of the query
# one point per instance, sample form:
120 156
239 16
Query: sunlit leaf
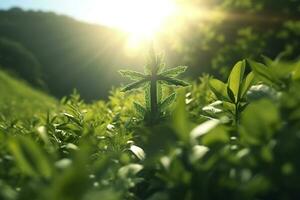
174 72
204 128
129 170
236 77
133 75
63 163
214 108
261 91
198 152
138 152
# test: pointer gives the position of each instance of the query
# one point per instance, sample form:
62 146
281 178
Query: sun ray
140 19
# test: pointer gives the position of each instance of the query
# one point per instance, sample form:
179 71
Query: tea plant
156 75
80 151
232 95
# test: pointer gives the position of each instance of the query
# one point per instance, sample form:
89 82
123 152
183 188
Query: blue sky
86 10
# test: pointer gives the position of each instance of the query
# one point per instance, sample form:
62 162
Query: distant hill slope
18 99
72 54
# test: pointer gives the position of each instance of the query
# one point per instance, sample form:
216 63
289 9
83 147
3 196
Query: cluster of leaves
152 81
245 146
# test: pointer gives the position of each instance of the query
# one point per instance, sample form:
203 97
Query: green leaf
133 75
236 77
160 64
167 102
140 109
204 128
72 118
214 108
134 85
155 62
129 170
180 120
296 73
138 152
267 60
173 81
159 91
259 122
174 72
218 135
30 157
247 83
262 71
219 89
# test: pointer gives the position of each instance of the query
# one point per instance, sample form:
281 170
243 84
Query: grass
20 100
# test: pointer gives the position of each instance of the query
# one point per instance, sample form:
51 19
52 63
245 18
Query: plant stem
153 94
237 114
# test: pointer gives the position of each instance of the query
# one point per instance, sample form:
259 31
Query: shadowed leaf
134 85
173 81
167 102
219 89
247 83
140 109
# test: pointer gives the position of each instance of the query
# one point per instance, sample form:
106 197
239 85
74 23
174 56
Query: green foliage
19 60
18 99
152 81
90 54
76 151
233 93
275 73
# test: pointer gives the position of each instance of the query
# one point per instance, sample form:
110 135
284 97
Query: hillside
19 100
72 54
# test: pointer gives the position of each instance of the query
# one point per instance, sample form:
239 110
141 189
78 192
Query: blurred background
59 45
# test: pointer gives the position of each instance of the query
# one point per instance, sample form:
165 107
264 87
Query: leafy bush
244 146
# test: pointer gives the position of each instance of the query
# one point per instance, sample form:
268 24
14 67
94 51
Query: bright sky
142 19
125 14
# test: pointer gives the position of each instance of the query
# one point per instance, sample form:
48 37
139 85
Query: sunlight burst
141 19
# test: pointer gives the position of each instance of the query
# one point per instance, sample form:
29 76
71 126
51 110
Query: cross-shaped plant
155 76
